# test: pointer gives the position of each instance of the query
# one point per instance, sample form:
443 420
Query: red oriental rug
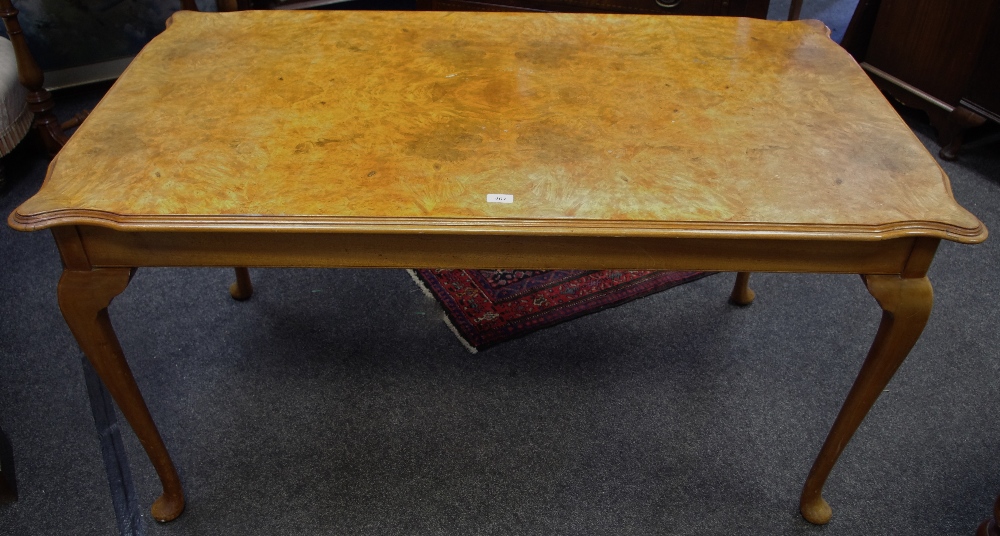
487 307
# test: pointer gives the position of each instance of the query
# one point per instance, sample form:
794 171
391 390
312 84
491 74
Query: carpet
488 307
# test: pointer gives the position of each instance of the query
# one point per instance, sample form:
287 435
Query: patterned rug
487 307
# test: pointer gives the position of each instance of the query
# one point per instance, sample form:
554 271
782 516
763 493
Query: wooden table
991 527
463 140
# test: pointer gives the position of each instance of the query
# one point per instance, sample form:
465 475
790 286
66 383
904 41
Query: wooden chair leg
74 121
742 293
31 77
7 493
8 481
794 10
242 289
228 5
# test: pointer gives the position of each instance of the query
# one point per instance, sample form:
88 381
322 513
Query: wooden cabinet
742 8
942 56
983 95
732 8
393 5
747 8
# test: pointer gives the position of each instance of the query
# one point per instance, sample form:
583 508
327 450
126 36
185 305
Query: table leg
906 305
742 293
991 527
794 9
8 482
242 289
84 296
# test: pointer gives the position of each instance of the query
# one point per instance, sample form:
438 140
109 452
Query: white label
499 198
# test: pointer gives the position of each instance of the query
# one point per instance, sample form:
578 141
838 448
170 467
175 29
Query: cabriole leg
242 289
742 293
84 296
906 305
991 527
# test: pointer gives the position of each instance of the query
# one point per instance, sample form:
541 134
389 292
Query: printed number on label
499 198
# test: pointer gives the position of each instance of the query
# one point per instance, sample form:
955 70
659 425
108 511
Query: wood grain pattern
373 140
906 306
931 44
84 297
343 121
109 248
935 55
983 92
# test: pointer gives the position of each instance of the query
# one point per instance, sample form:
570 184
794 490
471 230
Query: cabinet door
930 44
651 7
733 8
983 95
746 8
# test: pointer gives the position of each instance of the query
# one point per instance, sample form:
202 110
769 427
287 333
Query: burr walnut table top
340 139
406 122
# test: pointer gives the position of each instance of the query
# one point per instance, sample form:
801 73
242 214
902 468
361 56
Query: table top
409 121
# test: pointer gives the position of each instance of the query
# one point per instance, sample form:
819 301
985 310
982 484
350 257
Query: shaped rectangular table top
350 139
408 121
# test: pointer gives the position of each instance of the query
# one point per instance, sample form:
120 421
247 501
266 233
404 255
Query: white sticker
499 198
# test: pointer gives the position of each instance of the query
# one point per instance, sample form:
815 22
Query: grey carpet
337 402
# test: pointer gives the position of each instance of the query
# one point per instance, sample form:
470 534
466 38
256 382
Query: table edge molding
513 227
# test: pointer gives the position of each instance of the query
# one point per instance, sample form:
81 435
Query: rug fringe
444 316
423 288
461 339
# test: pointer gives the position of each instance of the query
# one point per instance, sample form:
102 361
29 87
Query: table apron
109 248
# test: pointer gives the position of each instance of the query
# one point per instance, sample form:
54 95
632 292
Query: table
464 140
991 527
